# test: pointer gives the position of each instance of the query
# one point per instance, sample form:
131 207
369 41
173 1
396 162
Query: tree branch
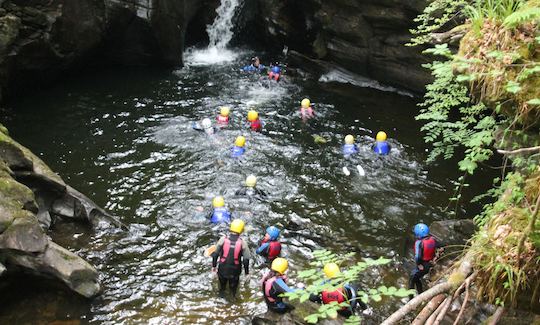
428 310
518 151
497 316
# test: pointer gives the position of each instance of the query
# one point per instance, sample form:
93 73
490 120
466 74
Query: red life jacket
237 249
429 246
336 295
274 250
223 119
267 286
307 112
256 125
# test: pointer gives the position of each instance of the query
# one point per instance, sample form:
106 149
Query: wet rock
364 37
453 232
24 235
2 269
294 317
60 263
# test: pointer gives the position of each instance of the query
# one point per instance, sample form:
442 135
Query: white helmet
206 123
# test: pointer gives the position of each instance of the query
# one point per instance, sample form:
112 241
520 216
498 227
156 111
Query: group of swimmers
231 253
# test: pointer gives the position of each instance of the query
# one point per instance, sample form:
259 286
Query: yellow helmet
237 226
240 141
218 202
381 136
253 116
331 270
349 139
224 111
251 181
280 265
306 103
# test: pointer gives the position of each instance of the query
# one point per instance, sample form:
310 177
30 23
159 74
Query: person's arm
418 255
260 192
282 287
246 256
263 248
217 253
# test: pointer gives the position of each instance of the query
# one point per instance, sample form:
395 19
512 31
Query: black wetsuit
228 270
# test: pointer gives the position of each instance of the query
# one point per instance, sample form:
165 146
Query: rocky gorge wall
366 37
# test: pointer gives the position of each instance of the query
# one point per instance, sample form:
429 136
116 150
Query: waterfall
221 30
220 34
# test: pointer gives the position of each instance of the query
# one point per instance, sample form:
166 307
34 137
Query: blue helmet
421 230
276 69
273 232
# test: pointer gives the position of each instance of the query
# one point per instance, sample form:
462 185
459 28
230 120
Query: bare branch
518 151
428 310
497 316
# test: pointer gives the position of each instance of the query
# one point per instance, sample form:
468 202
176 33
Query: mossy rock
3 129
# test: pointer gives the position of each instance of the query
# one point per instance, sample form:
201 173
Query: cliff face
41 39
366 37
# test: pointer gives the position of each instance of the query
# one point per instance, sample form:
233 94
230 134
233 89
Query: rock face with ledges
364 36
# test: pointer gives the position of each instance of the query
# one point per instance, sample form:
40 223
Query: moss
3 129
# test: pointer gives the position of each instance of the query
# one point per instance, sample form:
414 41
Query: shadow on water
124 138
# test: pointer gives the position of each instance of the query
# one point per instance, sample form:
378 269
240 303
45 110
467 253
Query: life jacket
428 246
267 286
274 76
381 147
336 295
274 248
307 112
220 215
349 149
256 125
223 120
238 151
227 248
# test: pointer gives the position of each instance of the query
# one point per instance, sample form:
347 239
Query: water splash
220 34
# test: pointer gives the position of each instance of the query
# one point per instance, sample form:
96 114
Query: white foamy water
220 34
344 76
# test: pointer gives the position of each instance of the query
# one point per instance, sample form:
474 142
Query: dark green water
123 138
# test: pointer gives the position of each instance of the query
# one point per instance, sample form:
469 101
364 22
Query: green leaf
304 297
312 319
513 87
332 313
534 101
376 298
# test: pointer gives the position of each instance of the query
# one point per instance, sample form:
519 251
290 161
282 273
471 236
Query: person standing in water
239 147
425 249
223 117
274 283
270 247
220 214
306 111
231 253
255 123
381 146
275 72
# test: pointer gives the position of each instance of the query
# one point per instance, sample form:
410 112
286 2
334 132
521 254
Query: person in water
425 249
205 126
270 247
255 66
345 294
275 72
231 252
223 117
349 148
306 111
220 214
239 146
381 146
274 283
250 189
254 122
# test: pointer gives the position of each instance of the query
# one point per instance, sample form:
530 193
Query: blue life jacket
238 151
381 147
349 149
252 68
220 215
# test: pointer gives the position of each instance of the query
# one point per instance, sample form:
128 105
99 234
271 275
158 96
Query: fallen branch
451 36
428 310
465 300
497 316
433 317
518 151
464 270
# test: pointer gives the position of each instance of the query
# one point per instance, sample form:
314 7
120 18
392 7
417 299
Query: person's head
280 265
252 116
237 226
206 123
240 141
224 111
306 103
381 136
349 139
421 230
218 202
255 61
251 181
331 270
273 232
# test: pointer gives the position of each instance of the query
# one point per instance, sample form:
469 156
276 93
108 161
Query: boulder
453 232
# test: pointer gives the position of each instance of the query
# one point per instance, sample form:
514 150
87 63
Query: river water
123 137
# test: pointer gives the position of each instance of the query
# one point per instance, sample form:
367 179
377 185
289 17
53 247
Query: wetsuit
347 293
220 215
270 249
231 252
237 151
273 285
253 68
381 147
349 149
250 192
424 252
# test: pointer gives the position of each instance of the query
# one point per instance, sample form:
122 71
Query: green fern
523 16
